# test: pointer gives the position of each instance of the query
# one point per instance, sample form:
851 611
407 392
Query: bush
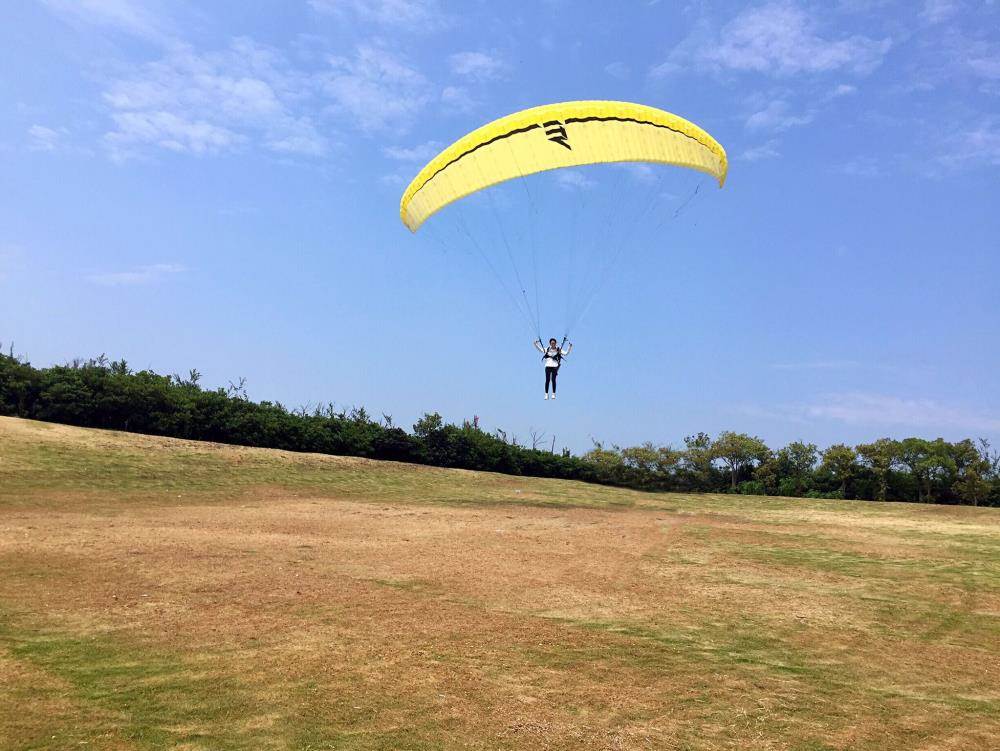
834 495
751 487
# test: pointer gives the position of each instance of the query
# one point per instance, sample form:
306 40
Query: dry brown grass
158 593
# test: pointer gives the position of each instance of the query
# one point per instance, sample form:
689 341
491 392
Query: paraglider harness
558 356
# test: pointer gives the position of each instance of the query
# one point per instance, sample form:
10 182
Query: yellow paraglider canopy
555 136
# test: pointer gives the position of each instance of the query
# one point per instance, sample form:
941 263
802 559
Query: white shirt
551 352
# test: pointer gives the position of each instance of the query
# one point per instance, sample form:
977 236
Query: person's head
553 342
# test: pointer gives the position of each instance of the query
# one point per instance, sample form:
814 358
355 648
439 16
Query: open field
157 593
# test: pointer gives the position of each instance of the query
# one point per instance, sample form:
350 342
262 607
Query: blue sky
217 185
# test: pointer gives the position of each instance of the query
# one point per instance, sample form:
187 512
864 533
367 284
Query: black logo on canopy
557 133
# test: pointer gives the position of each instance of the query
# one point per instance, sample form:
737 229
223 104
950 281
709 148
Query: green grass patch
149 699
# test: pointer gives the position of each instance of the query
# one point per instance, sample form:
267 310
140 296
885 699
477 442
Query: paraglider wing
555 136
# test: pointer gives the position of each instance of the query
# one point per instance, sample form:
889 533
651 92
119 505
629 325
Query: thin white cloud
141 275
957 54
861 166
985 65
477 66
880 411
779 39
618 70
777 116
844 89
298 137
975 146
768 150
129 16
422 152
377 90
204 103
395 179
458 99
43 138
410 15
169 131
643 173
573 180
938 11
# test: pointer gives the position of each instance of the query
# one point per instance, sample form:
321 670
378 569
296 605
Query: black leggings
550 377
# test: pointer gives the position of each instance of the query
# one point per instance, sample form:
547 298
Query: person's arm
569 349
538 346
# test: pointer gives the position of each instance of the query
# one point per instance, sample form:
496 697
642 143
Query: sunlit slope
158 593
63 464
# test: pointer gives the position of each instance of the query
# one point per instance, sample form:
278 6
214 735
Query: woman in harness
552 358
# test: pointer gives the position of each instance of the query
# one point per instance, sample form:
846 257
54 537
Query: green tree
841 463
929 464
658 460
796 463
766 479
656 466
430 423
972 487
668 459
606 459
739 453
973 468
881 456
789 471
643 458
696 461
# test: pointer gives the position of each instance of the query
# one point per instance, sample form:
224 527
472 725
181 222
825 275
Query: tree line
911 469
100 393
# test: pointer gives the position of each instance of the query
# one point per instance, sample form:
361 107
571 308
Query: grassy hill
158 593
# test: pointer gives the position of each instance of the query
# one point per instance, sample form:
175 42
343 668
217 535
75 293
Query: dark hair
553 339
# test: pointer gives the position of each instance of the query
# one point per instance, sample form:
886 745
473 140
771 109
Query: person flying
552 358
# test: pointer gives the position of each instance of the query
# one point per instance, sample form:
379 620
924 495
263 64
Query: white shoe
546 396
553 396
